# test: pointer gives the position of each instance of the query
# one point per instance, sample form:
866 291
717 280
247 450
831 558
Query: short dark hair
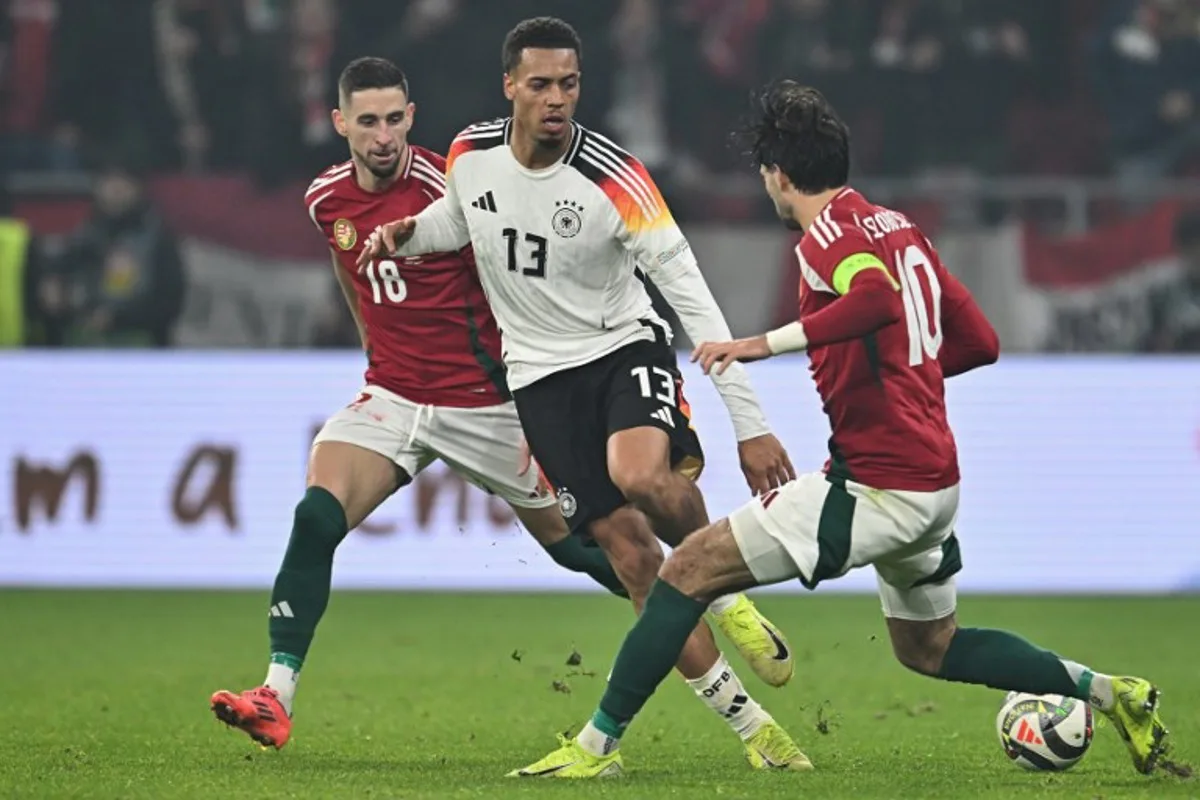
796 131
370 72
540 33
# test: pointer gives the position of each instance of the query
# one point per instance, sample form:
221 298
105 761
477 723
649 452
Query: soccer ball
1044 732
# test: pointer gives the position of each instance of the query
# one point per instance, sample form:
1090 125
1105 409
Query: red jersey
431 337
886 322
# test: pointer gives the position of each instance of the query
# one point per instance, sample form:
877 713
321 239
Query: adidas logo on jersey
664 415
485 203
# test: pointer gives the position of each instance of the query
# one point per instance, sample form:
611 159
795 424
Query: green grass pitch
104 694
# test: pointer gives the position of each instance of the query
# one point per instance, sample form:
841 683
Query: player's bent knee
644 485
318 525
708 564
359 478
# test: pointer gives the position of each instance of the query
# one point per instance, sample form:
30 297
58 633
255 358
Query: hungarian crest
344 233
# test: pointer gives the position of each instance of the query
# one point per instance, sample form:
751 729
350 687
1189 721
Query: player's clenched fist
386 238
721 354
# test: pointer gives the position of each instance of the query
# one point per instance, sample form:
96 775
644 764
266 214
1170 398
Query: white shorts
483 445
819 527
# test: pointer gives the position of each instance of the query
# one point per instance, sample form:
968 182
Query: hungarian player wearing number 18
434 386
883 323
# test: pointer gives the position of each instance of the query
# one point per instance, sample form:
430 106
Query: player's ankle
751 721
1099 690
282 675
601 736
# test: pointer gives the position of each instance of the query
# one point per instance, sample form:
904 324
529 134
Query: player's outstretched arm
439 228
870 302
968 339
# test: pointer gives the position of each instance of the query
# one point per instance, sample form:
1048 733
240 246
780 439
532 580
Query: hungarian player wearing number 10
883 323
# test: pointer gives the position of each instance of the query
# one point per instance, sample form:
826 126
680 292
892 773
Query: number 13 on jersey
923 318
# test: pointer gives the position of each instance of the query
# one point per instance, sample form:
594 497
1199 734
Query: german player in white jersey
561 221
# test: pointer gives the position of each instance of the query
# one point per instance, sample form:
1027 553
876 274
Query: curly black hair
795 129
540 33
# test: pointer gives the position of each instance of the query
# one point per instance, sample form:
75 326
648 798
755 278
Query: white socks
1098 685
282 679
722 691
596 741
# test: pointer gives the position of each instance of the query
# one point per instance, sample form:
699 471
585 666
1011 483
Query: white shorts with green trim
820 527
483 444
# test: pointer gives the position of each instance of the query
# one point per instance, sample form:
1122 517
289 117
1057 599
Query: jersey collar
567 157
408 159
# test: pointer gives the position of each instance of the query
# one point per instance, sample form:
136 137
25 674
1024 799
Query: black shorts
568 416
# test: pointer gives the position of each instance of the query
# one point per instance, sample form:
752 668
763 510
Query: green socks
571 553
301 591
648 654
1003 660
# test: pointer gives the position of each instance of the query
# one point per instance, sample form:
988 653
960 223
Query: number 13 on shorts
657 383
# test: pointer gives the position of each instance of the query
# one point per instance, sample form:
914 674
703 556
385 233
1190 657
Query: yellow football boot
761 644
770 747
1135 716
572 761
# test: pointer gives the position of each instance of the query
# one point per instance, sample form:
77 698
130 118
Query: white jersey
557 251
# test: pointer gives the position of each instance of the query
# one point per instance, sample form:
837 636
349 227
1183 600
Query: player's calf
631 548
921 645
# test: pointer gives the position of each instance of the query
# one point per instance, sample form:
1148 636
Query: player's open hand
385 239
765 463
715 357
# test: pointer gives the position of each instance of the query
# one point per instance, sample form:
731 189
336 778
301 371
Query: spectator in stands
18 255
820 42
908 56
290 79
201 63
104 86
27 31
1147 74
990 54
706 50
1175 307
118 280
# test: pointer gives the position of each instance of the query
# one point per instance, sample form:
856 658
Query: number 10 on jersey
923 320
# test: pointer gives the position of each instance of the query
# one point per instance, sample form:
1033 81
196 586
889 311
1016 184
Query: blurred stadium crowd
1098 99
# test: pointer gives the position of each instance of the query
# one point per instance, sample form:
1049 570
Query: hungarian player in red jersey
883 323
434 386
